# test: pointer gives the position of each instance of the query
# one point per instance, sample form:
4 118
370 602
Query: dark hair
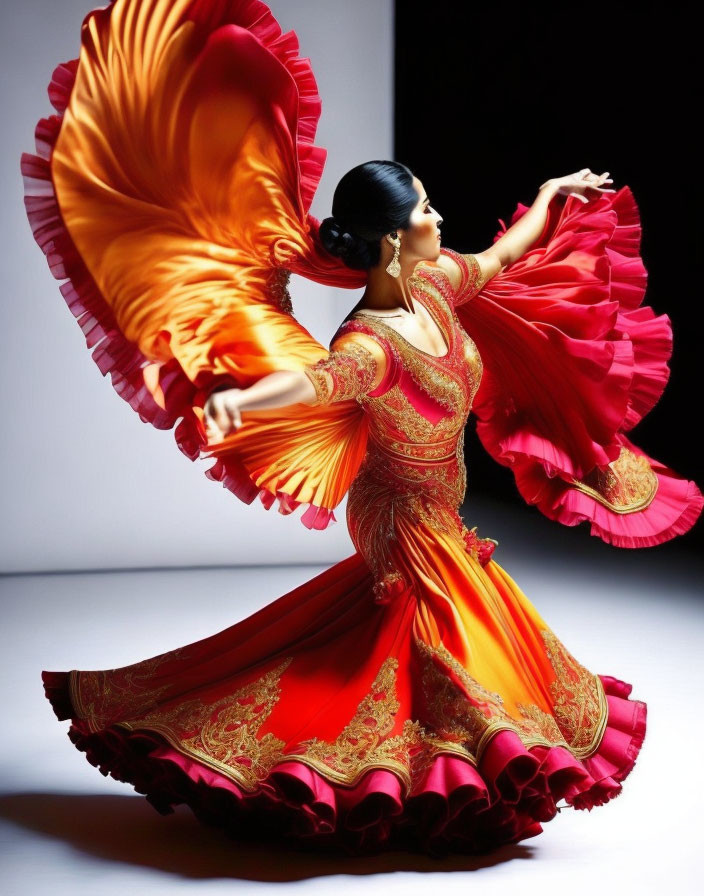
371 200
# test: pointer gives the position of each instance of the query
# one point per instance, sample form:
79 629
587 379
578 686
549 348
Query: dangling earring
394 266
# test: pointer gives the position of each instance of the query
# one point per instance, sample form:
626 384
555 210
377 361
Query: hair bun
342 243
335 238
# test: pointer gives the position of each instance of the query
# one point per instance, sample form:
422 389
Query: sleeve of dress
472 279
572 361
172 192
355 367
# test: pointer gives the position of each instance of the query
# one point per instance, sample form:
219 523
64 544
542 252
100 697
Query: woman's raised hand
577 184
222 414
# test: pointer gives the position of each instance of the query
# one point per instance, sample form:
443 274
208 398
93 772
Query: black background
493 99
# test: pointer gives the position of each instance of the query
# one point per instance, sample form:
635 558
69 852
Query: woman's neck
387 294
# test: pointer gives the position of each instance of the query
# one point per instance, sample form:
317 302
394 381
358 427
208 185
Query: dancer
410 695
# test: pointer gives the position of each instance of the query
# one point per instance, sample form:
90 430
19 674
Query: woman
410 694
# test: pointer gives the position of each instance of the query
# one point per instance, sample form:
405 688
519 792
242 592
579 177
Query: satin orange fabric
189 222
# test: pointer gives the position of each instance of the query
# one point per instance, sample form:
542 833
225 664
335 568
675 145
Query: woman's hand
222 413
577 184
278 389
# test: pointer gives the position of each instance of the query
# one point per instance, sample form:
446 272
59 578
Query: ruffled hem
677 506
458 808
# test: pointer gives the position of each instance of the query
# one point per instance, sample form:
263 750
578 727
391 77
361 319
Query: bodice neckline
446 333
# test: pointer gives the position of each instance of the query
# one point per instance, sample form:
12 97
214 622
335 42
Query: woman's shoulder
363 332
467 272
448 263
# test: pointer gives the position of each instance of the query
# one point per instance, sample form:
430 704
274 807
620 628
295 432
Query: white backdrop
86 484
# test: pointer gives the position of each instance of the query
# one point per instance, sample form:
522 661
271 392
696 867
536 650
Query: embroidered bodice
417 412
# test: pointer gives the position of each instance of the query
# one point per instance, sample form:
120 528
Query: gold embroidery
387 488
425 452
628 483
343 374
471 715
413 468
365 740
474 362
439 383
106 695
460 716
472 278
371 525
278 289
224 735
446 332
436 379
579 701
441 280
461 467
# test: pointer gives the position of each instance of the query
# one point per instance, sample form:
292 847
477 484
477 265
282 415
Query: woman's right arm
275 390
355 365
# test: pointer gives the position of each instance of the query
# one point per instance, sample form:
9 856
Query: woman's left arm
521 235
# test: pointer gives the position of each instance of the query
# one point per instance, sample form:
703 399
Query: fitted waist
443 451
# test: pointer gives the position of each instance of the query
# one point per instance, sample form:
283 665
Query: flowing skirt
451 719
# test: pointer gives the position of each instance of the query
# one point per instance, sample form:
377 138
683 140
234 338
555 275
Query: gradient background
115 547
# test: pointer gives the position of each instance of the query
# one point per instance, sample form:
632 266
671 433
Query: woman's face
421 239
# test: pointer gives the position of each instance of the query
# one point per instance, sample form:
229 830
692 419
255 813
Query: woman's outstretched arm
520 236
355 365
275 390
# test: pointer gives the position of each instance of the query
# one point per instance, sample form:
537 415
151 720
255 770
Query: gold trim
408 458
448 335
627 485
227 729
74 693
578 695
231 724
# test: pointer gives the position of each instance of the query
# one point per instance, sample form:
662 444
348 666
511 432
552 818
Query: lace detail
472 277
344 374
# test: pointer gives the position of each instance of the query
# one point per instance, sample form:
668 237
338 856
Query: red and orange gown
410 694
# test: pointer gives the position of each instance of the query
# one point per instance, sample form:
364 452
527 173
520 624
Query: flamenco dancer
410 695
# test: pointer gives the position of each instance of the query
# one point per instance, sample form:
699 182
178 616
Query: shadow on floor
128 830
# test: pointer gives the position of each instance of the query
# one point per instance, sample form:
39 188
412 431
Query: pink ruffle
572 361
112 352
675 509
459 808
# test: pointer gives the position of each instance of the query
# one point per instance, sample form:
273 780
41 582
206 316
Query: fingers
593 182
212 430
222 416
213 434
217 422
